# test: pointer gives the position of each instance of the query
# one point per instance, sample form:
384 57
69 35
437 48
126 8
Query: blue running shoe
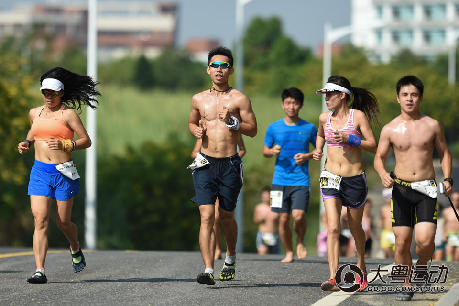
78 261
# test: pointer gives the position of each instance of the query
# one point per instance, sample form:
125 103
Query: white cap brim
53 84
330 87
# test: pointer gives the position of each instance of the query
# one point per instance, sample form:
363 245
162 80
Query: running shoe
363 283
329 285
38 278
404 296
228 271
205 278
78 261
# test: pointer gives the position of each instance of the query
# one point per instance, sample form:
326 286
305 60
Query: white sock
209 270
230 259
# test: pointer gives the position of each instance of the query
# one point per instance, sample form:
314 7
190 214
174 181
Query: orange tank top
45 128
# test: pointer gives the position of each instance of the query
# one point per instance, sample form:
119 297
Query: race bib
276 198
427 187
269 239
198 162
390 237
453 240
68 169
329 180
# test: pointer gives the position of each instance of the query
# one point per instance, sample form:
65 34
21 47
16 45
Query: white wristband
234 123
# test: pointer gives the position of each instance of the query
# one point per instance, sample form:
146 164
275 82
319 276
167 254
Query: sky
303 20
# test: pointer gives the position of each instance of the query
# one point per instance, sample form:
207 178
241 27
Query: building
138 28
142 27
385 27
200 47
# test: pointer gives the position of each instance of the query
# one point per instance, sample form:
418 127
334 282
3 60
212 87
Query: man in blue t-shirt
288 139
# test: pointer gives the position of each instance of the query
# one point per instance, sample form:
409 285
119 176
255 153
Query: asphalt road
169 278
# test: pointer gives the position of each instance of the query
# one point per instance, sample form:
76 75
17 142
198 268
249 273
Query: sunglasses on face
50 93
223 65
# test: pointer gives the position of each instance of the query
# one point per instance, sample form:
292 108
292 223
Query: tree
145 198
15 98
143 75
259 39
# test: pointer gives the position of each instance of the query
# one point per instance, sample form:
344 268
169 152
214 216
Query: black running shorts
410 207
222 178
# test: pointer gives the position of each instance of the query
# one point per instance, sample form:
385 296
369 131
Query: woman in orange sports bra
53 175
347 131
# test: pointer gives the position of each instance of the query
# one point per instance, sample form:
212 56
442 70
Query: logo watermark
423 278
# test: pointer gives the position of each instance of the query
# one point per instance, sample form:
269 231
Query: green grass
127 116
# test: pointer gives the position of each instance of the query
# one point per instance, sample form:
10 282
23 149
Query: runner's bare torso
413 143
218 140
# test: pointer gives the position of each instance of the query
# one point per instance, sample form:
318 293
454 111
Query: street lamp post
452 58
91 156
239 212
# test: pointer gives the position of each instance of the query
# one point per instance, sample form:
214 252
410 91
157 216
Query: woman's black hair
363 100
78 89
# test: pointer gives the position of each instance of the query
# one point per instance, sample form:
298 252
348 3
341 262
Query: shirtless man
452 229
385 222
413 137
267 236
218 116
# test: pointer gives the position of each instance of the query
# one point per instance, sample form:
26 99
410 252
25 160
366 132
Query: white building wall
424 42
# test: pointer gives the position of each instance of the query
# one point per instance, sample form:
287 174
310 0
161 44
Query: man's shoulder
306 124
238 95
392 124
430 121
200 95
276 124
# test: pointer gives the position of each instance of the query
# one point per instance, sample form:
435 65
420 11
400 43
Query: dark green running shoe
228 271
38 278
78 261
205 278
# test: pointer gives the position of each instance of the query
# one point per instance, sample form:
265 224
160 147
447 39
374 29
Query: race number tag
276 198
68 169
269 239
427 187
198 162
329 180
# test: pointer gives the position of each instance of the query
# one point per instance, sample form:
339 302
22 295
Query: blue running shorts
46 180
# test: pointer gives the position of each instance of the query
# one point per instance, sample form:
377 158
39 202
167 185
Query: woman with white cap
347 131
54 175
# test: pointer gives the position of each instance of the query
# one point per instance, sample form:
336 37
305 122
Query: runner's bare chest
412 136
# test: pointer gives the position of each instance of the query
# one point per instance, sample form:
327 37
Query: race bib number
428 188
329 180
68 169
269 239
276 198
198 162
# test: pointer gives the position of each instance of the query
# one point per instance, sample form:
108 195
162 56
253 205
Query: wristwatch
449 180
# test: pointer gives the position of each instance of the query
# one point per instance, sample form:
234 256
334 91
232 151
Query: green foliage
271 58
143 76
15 97
259 39
174 69
118 72
145 196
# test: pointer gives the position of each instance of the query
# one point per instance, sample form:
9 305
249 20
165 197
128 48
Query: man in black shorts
413 137
218 116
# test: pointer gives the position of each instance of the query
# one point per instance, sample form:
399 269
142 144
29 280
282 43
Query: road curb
451 298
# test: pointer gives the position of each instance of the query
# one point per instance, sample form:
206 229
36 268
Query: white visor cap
53 84
329 87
